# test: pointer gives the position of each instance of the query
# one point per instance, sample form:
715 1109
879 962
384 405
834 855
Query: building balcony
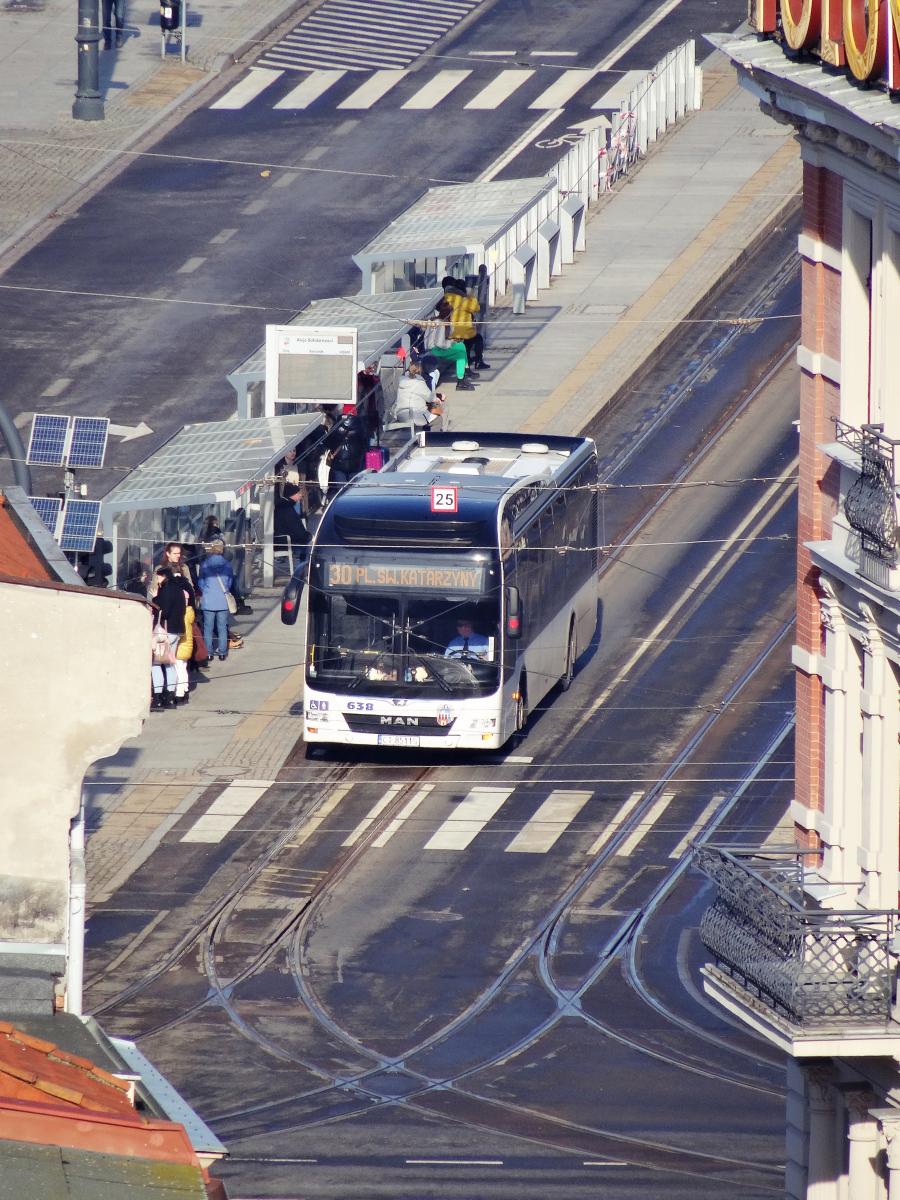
869 544
814 981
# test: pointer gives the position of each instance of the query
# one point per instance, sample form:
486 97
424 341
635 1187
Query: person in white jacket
415 403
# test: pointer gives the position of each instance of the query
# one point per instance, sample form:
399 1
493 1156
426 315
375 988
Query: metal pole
77 899
183 31
88 105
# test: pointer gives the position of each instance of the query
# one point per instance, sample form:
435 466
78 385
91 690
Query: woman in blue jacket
216 579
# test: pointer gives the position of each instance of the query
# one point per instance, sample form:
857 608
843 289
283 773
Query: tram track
344 1095
347 771
538 945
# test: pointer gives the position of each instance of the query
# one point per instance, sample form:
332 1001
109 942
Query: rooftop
814 91
34 1069
454 218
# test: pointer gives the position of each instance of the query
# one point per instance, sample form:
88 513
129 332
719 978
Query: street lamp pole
88 104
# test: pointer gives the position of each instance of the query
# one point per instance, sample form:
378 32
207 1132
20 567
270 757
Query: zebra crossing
474 91
564 814
360 34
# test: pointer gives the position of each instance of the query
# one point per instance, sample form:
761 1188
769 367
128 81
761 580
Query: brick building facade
806 944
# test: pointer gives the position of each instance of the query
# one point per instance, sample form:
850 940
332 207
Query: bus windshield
409 645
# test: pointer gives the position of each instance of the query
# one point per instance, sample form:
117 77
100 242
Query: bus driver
467 643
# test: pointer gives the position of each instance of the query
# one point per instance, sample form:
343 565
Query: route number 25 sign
444 500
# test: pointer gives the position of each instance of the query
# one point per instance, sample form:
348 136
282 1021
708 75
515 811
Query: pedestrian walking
216 579
113 11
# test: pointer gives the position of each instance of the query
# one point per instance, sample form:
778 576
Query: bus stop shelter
380 323
455 229
220 468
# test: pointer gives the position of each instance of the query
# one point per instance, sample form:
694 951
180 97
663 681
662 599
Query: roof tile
61 1093
34 1043
31 1068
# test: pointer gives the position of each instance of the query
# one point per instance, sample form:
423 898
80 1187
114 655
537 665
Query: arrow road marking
129 432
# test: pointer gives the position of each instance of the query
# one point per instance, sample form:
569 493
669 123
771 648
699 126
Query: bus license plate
397 739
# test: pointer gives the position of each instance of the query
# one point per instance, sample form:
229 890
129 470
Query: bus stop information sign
444 500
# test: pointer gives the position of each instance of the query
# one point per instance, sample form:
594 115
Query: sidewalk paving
656 247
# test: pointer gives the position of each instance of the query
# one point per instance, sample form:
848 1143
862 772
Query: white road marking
659 14
56 387
224 235
656 811
285 180
315 153
377 85
305 832
436 89
553 53
254 207
518 758
698 825
548 824
493 53
312 87
406 811
616 823
623 85
518 145
611 59
563 89
468 819
373 812
226 810
606 1164
254 82
500 89
454 1162
188 268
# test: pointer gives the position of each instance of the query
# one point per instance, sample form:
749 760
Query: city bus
447 593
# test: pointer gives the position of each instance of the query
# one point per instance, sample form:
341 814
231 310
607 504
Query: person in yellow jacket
462 322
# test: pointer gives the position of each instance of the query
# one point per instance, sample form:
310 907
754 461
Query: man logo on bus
445 716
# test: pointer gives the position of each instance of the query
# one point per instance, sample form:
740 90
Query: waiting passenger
435 344
415 404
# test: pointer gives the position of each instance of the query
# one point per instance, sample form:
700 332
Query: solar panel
80 521
47 444
47 508
88 445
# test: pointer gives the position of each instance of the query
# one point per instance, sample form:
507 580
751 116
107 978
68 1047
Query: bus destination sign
391 575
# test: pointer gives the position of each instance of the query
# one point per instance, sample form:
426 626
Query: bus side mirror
513 614
291 597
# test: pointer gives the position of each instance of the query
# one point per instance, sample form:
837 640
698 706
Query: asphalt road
359 1015
165 280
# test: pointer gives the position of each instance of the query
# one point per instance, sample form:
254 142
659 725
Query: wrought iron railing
808 963
870 505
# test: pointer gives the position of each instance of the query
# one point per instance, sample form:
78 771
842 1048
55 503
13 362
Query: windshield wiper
431 671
